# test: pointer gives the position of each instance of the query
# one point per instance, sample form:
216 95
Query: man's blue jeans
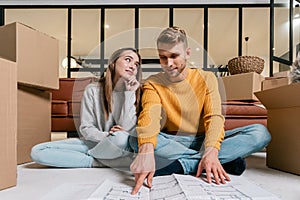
188 150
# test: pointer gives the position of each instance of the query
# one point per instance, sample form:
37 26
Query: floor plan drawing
183 187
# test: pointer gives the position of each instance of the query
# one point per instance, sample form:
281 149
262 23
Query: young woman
108 116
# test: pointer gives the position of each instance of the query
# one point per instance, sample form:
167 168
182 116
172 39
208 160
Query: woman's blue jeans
188 150
77 153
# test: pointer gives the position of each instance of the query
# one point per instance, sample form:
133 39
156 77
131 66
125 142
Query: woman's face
127 65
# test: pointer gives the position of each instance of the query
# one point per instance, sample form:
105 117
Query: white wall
88 29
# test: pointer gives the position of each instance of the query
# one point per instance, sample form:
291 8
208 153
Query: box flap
36 54
8 42
281 97
29 27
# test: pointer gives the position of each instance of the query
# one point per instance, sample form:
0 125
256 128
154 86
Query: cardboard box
283 105
34 120
8 127
275 82
240 86
282 74
36 55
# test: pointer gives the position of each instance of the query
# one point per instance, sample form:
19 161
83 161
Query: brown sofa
66 108
242 113
66 104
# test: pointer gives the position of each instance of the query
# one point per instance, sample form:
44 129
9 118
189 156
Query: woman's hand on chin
131 84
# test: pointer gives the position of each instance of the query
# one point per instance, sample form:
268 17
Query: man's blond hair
172 35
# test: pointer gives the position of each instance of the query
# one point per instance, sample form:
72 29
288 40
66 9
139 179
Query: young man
181 127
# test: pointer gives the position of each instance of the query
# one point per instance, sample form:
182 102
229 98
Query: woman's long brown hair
107 81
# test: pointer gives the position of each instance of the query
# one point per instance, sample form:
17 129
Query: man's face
173 58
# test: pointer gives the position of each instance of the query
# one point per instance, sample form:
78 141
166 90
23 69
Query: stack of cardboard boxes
282 100
278 79
8 123
240 106
29 69
240 87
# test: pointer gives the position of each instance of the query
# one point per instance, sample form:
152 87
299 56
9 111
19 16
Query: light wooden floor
34 181
282 184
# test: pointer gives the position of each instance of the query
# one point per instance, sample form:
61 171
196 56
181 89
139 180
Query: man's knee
263 132
133 143
261 135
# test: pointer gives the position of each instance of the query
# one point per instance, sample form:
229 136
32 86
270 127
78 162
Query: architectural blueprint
182 187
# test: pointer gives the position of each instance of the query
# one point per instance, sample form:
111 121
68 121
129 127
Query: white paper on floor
71 191
166 187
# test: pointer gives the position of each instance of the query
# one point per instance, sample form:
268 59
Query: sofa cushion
71 88
58 123
240 108
64 124
59 108
74 108
242 113
238 122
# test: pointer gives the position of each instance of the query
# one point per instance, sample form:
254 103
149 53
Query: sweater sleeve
127 117
149 118
212 116
89 127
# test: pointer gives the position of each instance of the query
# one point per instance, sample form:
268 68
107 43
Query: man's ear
188 52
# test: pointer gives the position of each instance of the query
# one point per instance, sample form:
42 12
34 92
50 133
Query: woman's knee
36 152
40 151
120 139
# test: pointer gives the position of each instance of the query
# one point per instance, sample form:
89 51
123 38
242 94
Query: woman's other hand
115 128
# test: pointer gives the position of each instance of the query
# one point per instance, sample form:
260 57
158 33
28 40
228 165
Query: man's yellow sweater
190 107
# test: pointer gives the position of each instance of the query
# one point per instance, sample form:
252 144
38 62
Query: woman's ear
112 67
